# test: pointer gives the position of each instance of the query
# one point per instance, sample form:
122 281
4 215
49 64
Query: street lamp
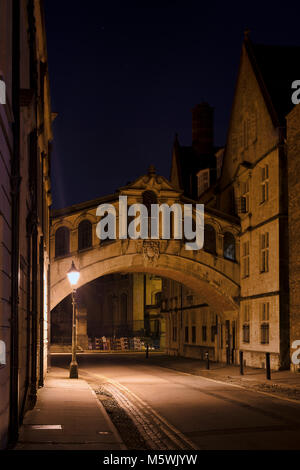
73 276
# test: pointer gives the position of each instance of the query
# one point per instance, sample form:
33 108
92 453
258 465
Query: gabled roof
275 67
147 182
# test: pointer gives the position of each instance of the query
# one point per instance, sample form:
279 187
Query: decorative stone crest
150 250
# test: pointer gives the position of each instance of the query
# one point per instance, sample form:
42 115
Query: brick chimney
203 128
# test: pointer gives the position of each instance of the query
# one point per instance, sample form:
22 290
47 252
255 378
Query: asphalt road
211 414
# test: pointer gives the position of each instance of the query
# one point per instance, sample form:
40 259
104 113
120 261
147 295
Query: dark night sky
124 78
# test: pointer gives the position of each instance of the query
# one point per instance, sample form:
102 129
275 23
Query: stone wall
6 143
293 150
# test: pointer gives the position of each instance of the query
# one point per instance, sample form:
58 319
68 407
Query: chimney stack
203 128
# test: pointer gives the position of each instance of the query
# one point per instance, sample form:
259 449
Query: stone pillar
163 333
138 301
220 244
73 240
82 337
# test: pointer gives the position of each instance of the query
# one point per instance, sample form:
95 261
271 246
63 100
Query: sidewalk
282 383
71 406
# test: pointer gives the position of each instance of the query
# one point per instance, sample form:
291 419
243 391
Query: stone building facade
293 146
192 326
25 198
258 184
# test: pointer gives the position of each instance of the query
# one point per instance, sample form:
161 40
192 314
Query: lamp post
73 276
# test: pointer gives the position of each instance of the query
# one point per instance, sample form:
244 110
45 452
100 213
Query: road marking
44 426
168 428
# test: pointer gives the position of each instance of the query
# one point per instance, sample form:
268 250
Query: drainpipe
15 199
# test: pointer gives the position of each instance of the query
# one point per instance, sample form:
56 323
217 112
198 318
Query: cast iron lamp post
73 276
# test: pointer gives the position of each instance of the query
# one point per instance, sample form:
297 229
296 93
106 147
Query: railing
135 343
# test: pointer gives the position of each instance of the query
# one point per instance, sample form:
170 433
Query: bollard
268 367
241 363
147 351
207 360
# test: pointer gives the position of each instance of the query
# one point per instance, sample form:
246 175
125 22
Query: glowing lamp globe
73 275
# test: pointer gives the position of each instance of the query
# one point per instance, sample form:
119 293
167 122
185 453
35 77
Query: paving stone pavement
67 416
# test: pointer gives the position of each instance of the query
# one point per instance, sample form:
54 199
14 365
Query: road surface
209 414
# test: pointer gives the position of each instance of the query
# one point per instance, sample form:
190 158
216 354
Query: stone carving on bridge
150 250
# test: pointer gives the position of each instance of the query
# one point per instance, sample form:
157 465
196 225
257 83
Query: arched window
62 241
123 309
229 246
209 239
84 235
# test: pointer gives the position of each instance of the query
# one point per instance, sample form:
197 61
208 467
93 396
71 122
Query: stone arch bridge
212 271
